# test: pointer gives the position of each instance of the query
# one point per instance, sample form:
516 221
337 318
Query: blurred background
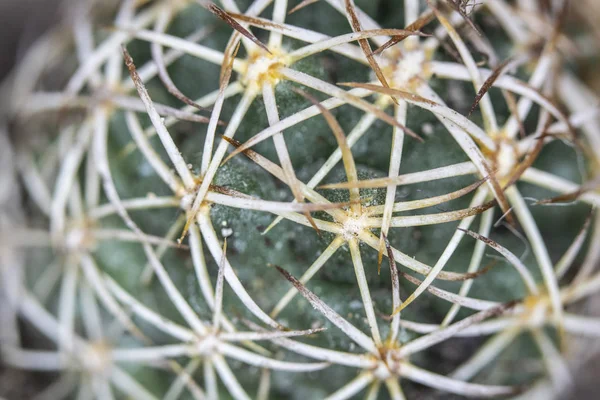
21 21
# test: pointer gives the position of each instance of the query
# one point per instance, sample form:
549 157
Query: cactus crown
404 182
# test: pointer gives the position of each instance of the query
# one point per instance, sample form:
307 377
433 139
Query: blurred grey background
21 22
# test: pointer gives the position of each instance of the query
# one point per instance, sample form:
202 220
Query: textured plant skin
256 199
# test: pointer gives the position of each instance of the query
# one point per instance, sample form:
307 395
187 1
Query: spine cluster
65 273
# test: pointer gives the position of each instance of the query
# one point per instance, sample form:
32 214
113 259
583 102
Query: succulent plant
258 199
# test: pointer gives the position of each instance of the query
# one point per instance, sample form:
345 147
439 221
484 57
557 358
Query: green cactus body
130 313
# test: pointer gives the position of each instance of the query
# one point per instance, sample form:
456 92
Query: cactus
264 200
